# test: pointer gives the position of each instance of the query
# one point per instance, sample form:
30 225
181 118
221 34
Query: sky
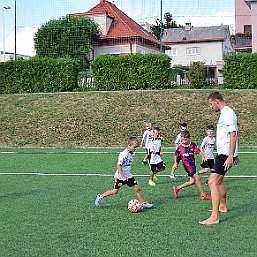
31 14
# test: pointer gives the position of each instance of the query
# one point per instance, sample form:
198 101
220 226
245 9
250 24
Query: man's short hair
216 96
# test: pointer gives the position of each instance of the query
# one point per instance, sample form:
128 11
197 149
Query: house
206 44
120 34
246 26
6 56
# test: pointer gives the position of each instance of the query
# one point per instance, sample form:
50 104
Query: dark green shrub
138 71
38 75
196 75
240 71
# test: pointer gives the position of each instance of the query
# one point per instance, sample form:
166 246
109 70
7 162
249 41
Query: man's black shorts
219 164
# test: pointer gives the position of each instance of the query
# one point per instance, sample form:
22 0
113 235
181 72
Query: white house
206 44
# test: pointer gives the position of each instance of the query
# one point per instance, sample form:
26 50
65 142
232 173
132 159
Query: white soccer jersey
155 145
178 139
125 159
227 123
147 137
208 146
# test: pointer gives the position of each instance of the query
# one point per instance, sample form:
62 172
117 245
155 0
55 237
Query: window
172 52
193 51
247 28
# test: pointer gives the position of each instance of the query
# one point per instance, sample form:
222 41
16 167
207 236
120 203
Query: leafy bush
38 75
138 71
196 75
240 71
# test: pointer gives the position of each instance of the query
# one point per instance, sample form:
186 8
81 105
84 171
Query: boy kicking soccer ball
123 175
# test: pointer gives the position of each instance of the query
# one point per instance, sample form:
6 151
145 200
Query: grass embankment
109 118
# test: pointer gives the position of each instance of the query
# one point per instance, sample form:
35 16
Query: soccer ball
134 206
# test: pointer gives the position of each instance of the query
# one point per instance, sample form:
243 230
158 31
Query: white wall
122 49
210 52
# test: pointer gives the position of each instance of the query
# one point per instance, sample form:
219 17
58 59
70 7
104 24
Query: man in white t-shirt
227 147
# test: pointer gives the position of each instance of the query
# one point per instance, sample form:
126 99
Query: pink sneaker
205 197
175 191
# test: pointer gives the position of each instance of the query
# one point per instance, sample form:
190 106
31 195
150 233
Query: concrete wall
242 15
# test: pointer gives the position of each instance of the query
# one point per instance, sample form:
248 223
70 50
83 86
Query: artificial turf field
47 208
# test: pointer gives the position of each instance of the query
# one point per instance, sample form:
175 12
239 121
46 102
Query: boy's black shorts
209 163
157 167
118 183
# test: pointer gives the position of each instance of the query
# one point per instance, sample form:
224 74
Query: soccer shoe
98 200
172 176
151 183
175 191
147 205
205 197
155 177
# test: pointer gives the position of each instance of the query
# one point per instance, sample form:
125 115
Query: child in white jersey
156 162
178 142
123 175
207 147
147 137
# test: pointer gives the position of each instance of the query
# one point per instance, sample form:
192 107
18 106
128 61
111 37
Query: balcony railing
242 42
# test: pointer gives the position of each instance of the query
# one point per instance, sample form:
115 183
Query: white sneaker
151 183
172 176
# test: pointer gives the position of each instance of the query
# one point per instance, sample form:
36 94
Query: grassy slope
109 118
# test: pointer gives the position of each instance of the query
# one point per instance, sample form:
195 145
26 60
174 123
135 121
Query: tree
169 22
69 36
196 76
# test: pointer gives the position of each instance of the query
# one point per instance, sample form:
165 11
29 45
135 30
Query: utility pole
161 28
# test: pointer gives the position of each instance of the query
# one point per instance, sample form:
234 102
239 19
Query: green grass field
48 211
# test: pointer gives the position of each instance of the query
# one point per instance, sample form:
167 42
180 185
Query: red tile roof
122 25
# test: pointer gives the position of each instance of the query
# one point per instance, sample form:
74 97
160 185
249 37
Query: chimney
188 26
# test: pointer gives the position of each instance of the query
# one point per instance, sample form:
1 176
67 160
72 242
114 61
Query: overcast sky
33 13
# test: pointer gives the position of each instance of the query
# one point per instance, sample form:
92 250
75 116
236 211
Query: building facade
206 44
246 26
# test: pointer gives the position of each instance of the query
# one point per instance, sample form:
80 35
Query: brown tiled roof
122 25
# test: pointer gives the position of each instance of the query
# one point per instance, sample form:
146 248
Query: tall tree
69 36
169 22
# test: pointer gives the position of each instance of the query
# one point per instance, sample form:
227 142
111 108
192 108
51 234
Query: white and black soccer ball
134 206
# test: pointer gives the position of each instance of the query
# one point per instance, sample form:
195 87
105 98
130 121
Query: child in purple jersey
186 152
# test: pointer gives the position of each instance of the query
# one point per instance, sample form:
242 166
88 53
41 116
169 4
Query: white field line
94 152
108 175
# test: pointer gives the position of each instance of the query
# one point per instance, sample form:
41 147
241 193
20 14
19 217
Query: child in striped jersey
186 152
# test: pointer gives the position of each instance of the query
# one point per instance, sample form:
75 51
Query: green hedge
138 71
38 75
240 71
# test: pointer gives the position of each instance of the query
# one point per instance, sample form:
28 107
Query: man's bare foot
209 221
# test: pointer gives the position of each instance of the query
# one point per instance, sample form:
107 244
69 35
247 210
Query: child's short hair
210 127
185 134
156 129
133 139
183 125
